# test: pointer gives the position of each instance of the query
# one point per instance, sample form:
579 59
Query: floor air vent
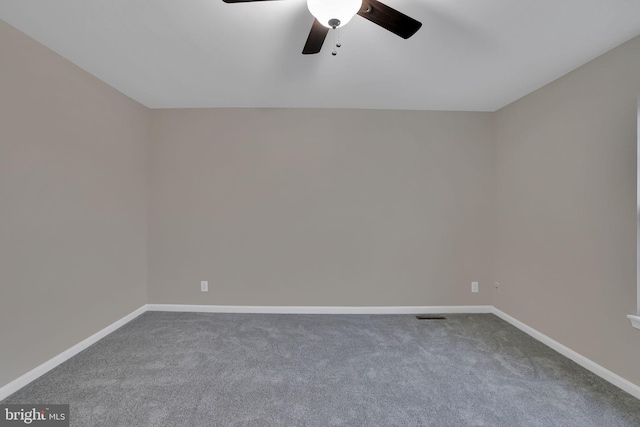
430 317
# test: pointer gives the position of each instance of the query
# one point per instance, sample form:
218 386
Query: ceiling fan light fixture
327 12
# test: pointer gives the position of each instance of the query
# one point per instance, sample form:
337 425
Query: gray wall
566 210
320 207
72 204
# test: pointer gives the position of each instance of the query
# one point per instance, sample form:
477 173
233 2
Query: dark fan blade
316 38
389 18
242 1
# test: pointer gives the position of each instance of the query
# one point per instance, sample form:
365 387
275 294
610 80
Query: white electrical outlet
497 286
204 286
474 286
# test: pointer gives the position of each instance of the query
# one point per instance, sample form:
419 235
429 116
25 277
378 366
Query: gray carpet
187 369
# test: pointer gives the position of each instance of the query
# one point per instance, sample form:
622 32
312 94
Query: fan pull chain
336 40
334 52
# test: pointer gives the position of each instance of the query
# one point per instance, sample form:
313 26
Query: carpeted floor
188 369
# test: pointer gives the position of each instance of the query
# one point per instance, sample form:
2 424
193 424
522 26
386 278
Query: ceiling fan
332 14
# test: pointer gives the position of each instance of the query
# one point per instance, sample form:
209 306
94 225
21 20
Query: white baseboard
604 373
635 320
588 364
319 309
25 379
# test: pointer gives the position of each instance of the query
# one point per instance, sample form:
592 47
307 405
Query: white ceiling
472 55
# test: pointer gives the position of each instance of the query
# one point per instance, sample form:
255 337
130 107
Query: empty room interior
287 213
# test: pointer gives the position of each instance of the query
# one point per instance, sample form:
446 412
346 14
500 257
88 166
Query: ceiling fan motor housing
334 13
